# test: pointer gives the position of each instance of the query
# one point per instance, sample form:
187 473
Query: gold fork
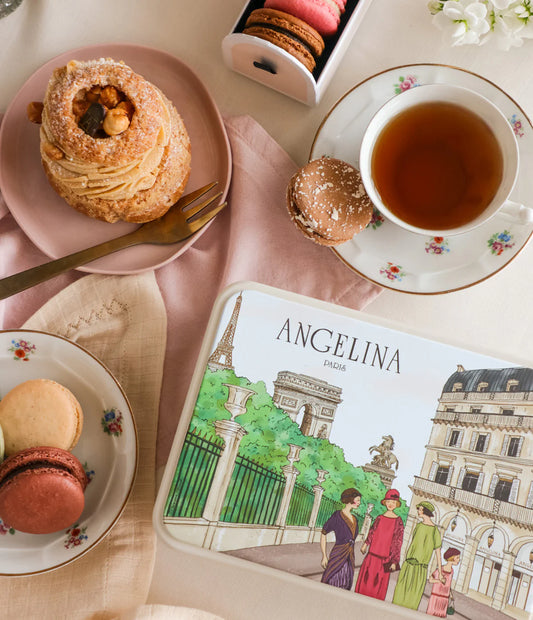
177 224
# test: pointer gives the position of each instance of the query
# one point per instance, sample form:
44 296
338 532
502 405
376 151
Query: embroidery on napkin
113 308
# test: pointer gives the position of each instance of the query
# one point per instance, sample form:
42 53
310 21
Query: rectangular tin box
294 400
266 63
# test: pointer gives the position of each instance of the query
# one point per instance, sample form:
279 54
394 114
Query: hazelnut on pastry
115 121
125 150
327 201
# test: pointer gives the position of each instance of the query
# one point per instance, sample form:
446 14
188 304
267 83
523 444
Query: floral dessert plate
62 230
107 447
401 260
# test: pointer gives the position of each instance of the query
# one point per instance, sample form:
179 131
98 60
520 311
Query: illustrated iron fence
327 507
301 505
254 494
194 475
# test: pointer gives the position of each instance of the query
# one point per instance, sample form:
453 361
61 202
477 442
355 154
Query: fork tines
185 201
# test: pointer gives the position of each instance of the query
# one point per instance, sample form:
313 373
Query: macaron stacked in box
322 15
297 26
42 483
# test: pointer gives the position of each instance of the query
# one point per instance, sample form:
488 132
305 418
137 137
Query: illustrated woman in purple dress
339 567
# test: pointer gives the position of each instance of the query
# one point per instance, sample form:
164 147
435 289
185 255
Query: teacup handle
517 212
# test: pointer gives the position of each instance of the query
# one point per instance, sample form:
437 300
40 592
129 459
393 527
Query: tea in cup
440 160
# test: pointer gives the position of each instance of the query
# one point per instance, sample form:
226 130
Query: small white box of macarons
293 46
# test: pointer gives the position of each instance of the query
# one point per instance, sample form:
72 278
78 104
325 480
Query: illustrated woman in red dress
382 548
440 592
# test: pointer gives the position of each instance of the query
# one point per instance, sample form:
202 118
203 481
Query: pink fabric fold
252 239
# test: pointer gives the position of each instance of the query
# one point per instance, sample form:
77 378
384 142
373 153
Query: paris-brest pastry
112 144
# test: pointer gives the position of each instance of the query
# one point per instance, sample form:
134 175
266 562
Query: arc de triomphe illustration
318 398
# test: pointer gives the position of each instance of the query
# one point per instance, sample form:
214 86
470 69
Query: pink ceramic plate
57 229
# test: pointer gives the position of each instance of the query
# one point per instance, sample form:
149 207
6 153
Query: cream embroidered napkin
122 321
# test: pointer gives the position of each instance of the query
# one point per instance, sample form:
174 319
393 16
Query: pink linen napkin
253 239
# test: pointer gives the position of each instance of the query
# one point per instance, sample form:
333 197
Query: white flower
524 12
524 9
501 5
507 29
463 21
435 6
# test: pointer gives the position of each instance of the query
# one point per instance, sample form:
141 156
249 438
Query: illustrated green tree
269 431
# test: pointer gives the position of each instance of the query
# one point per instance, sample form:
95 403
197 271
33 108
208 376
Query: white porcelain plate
398 259
107 447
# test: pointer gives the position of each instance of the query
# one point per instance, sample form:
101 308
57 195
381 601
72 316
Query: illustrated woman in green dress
413 575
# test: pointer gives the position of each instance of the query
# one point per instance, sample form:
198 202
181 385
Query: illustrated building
478 473
222 355
318 398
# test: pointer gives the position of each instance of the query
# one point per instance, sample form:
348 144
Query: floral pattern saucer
401 260
107 447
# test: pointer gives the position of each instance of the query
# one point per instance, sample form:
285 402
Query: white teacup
483 108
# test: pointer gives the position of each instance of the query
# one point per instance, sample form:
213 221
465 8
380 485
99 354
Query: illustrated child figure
340 567
413 575
440 592
382 548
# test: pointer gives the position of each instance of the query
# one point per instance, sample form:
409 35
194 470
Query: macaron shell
327 201
40 412
43 456
291 24
41 490
322 15
41 501
285 43
305 226
287 32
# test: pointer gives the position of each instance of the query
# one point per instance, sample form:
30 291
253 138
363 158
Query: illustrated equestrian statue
384 457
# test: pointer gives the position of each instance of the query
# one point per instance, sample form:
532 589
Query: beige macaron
327 201
40 412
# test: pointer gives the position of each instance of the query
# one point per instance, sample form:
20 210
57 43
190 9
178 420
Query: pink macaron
41 490
323 15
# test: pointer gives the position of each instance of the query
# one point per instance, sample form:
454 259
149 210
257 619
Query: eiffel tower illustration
221 356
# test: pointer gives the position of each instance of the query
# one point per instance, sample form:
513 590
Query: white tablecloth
494 314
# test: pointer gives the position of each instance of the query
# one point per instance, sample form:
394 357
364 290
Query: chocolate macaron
41 490
287 32
40 412
327 201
